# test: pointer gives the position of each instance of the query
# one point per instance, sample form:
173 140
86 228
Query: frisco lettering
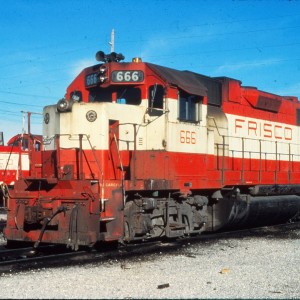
264 129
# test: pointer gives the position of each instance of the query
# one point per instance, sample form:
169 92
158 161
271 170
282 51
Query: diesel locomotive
14 161
137 151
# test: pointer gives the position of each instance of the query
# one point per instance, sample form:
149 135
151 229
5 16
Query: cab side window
189 107
156 96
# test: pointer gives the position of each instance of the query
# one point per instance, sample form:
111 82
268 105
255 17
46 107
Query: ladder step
107 219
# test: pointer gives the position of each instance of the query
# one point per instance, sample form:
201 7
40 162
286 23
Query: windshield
120 94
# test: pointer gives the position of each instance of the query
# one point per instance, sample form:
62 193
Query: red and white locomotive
14 161
137 151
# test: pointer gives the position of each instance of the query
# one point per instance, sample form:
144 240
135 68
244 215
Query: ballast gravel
248 267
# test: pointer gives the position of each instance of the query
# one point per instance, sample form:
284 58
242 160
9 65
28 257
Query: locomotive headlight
102 78
102 69
63 105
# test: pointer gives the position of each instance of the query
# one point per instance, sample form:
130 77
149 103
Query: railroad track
21 259
16 260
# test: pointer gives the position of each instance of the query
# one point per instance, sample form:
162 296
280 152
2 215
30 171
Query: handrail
277 154
216 125
122 169
80 139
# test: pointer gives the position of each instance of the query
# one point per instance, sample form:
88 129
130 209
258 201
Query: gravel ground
248 267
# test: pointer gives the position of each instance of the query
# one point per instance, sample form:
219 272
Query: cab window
156 96
125 95
189 107
129 95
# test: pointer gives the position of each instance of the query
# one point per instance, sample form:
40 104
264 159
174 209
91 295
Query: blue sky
45 44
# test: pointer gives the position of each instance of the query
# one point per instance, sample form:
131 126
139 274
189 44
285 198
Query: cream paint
253 136
262 137
13 164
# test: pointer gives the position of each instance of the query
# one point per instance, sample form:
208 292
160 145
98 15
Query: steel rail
57 256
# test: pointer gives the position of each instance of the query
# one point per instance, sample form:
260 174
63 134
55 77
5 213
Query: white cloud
78 66
167 44
154 47
246 65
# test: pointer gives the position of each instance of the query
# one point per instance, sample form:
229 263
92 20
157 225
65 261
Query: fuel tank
245 211
249 211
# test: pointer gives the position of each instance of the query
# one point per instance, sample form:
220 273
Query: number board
127 76
91 79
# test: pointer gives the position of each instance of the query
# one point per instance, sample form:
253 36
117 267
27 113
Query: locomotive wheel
185 221
128 232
